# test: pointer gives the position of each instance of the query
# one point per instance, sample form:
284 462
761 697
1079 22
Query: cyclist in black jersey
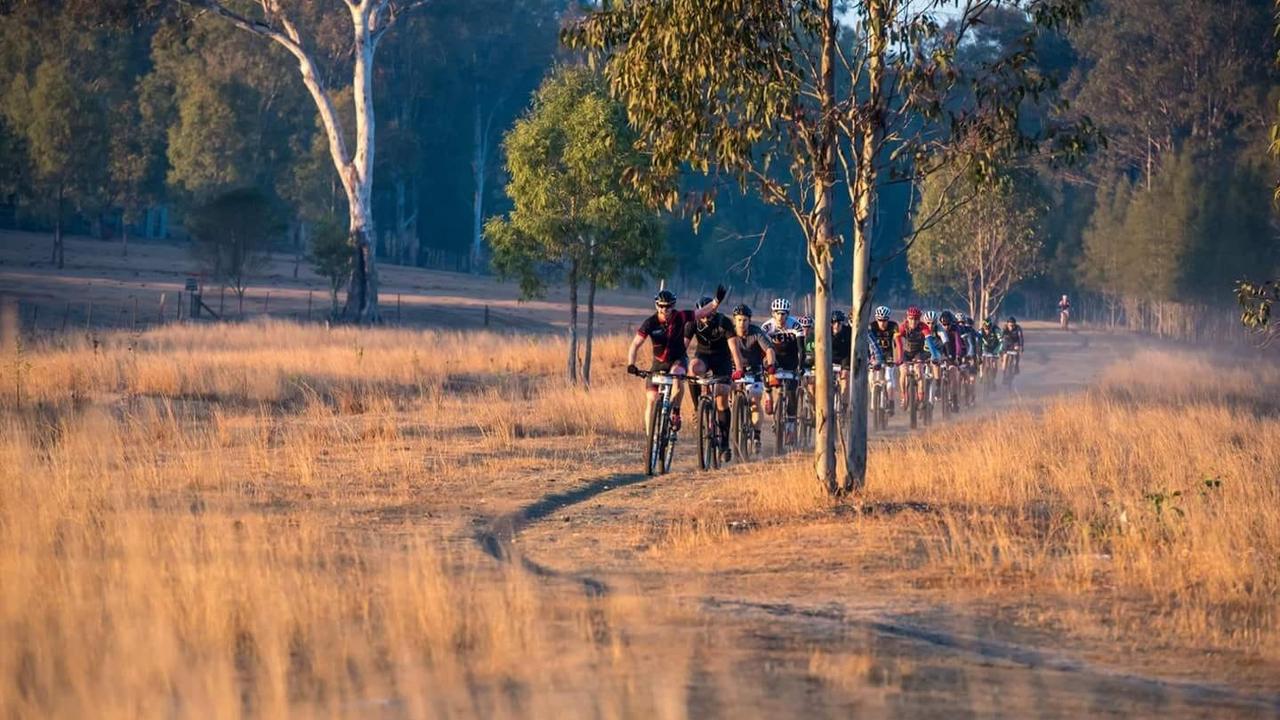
711 351
758 358
664 330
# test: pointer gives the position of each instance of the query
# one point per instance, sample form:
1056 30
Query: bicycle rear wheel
913 402
741 426
878 404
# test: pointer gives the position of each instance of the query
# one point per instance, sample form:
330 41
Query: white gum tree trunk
370 21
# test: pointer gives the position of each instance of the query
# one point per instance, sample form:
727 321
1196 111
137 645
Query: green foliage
573 214
331 256
1197 225
977 240
232 235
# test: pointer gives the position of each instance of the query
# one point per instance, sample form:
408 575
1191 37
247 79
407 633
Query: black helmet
838 316
665 298
742 311
1012 319
946 318
703 302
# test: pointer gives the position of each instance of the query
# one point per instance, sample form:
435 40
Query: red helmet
913 312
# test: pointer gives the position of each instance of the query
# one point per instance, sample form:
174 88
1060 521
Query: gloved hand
737 374
633 370
721 292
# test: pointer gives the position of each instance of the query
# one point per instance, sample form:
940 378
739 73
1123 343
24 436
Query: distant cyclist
1064 311
787 336
1011 340
664 329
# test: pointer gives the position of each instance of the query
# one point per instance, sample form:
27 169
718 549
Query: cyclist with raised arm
758 358
1011 340
881 333
664 329
911 345
708 342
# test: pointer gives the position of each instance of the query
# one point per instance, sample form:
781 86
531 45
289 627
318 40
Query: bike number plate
663 379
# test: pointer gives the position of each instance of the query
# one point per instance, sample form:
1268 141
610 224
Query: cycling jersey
753 346
667 337
989 342
709 341
911 343
710 337
951 341
788 347
1011 339
881 339
842 346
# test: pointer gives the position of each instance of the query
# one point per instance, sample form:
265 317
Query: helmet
1064 297
946 317
665 298
838 316
931 317
703 302
883 312
963 318
742 311
805 321
780 305
1012 319
986 322
913 312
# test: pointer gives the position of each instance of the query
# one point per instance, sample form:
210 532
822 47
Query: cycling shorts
718 364
911 356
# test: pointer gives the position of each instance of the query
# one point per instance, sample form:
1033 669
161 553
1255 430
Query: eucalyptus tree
736 88
283 23
574 218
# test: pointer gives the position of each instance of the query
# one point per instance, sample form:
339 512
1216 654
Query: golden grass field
277 520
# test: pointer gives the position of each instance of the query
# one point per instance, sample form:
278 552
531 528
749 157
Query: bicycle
1010 361
1064 318
784 419
808 417
881 400
949 387
842 398
660 443
969 381
987 372
711 439
916 397
742 430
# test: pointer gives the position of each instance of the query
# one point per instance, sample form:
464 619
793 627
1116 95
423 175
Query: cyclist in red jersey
664 329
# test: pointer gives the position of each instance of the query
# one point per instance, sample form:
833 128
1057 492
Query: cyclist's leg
697 368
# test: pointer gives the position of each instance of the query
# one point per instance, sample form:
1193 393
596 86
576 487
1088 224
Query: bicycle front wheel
652 446
708 456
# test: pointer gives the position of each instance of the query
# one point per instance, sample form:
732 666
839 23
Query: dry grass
1155 496
195 522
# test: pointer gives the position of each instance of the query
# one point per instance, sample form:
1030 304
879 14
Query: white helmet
883 312
781 305
931 316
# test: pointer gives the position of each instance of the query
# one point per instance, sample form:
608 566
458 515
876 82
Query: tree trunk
573 323
591 326
864 193
824 452
58 253
479 167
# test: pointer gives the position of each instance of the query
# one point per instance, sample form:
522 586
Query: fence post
397 309
486 316
161 317
88 316
135 313
309 306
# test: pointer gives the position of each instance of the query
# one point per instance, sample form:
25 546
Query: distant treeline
115 120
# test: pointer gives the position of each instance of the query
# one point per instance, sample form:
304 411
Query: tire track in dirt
496 537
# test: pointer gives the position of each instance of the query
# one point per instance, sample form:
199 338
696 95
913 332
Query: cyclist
785 333
1011 339
1064 311
951 338
911 345
757 355
971 337
880 337
841 339
664 329
806 333
707 340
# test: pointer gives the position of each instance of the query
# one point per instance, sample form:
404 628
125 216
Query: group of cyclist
704 341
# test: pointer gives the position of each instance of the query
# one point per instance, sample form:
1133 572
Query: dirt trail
803 591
